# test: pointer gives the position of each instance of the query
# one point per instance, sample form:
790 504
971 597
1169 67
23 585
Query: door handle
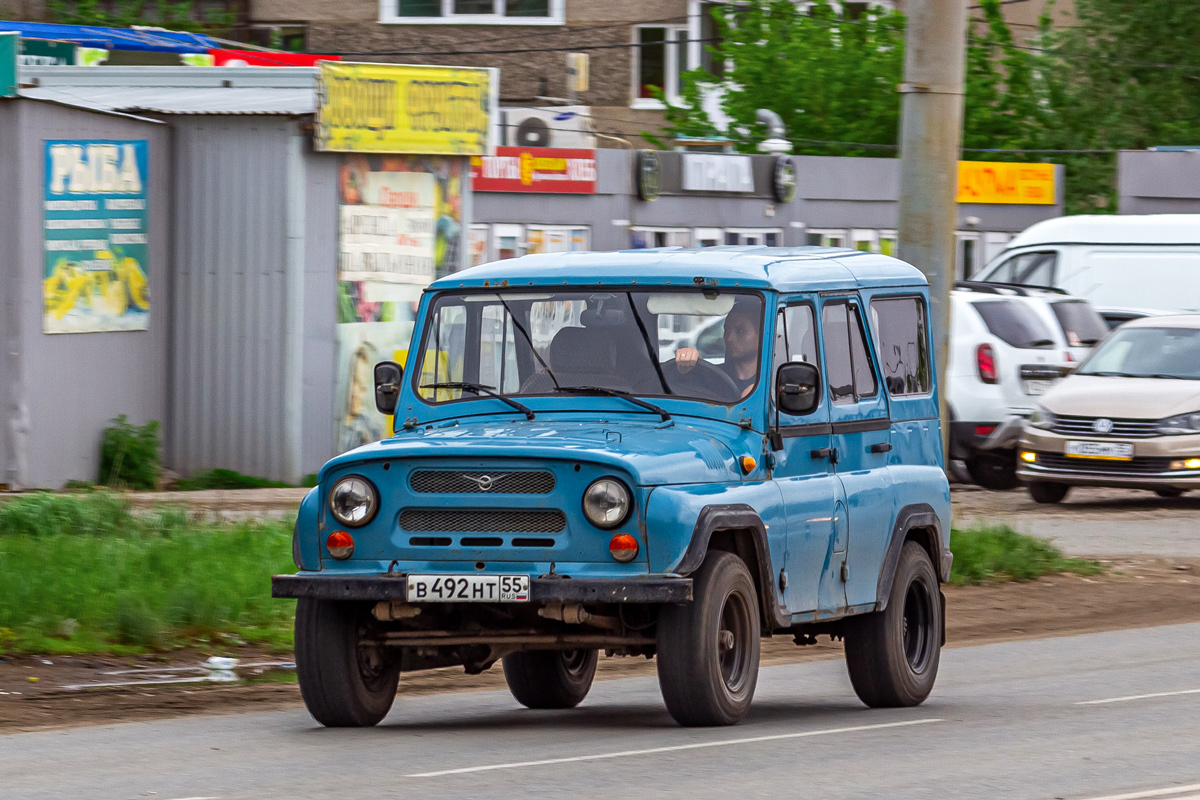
825 452
880 447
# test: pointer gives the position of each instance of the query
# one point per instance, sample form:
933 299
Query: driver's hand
686 358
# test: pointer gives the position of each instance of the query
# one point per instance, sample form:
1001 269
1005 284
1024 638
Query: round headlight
353 501
606 503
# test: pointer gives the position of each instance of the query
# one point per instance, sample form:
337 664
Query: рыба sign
1004 182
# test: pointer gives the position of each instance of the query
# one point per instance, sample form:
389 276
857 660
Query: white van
1136 263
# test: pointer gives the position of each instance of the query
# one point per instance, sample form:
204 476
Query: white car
1008 345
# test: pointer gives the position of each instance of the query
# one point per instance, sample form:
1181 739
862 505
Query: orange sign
1003 182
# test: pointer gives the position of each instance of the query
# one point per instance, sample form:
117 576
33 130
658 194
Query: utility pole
930 141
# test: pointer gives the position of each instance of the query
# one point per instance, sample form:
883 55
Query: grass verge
984 553
81 573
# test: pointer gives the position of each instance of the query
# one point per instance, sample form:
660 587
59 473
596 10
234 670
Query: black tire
708 649
994 471
343 685
550 678
1043 492
892 655
1169 493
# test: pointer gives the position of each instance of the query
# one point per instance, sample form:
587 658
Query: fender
738 516
917 515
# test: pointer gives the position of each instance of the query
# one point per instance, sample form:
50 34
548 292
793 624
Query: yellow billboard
398 108
1003 182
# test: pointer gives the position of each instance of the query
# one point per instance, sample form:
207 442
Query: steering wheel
704 380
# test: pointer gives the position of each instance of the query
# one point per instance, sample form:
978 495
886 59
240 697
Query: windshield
1148 353
1015 323
1080 323
524 344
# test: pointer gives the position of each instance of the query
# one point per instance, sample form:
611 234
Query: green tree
177 16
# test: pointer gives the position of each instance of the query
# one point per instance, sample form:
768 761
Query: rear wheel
1043 492
994 471
344 683
708 649
1169 492
550 678
892 655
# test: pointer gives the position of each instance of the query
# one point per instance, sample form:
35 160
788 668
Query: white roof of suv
1112 229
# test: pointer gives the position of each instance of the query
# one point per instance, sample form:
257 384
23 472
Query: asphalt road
1111 714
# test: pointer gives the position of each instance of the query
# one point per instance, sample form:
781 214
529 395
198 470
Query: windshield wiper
1041 343
479 388
600 390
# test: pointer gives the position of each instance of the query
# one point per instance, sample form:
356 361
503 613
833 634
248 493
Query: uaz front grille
1147 465
455 481
1122 428
483 520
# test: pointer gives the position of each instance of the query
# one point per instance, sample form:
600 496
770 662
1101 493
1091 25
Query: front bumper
966 441
1150 468
545 590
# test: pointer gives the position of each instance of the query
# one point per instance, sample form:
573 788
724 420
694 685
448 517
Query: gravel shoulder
1138 592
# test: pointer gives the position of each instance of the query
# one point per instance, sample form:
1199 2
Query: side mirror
387 386
797 388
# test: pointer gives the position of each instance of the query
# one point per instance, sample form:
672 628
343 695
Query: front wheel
550 678
344 683
1050 493
708 649
892 655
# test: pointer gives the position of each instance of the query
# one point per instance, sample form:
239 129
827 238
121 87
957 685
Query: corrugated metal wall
240 317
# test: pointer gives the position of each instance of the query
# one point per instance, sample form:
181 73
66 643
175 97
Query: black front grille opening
524 541
482 541
430 541
430 481
483 520
1144 465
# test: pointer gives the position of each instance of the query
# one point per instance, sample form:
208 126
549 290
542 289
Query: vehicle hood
1122 398
681 451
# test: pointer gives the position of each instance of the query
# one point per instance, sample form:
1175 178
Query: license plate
468 588
1114 451
1037 387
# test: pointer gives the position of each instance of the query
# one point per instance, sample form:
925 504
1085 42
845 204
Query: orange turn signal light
340 545
623 548
748 464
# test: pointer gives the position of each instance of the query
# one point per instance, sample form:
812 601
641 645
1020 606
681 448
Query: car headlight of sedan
1184 423
606 503
1041 418
354 501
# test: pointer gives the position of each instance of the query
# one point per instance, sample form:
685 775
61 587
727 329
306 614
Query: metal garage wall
1158 182
9 296
320 312
241 219
64 388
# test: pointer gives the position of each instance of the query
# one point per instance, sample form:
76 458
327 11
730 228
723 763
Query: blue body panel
828 525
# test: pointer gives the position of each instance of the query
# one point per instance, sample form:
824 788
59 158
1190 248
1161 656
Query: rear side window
1028 269
903 344
1015 324
847 362
1080 323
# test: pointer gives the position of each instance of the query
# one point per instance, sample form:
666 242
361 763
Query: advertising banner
535 169
8 64
400 226
396 108
46 53
1003 182
266 58
96 265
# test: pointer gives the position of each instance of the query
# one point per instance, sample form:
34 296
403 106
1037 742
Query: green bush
227 479
129 455
82 573
998 552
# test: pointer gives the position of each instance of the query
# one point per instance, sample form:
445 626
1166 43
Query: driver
742 343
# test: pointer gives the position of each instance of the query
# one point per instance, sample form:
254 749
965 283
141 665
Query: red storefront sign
266 58
535 169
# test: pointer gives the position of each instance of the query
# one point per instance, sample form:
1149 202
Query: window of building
472 12
660 58
555 239
641 237
771 237
902 343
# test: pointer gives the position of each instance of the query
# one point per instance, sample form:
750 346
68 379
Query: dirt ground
1084 502
1137 592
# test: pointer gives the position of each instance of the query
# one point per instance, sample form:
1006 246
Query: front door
803 470
861 438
